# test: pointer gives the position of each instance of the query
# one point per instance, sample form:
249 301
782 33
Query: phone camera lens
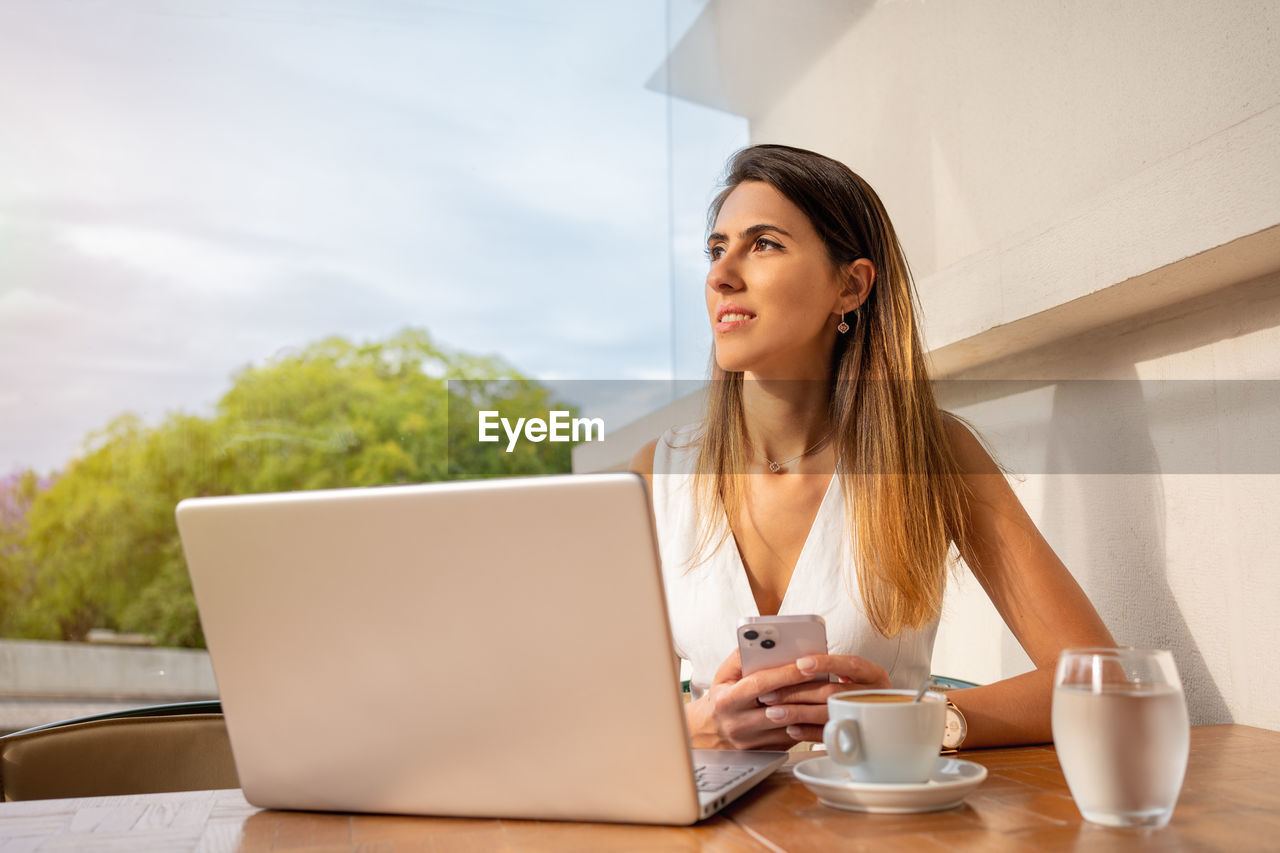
768 644
751 635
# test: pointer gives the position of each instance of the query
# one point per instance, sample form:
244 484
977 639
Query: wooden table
1230 801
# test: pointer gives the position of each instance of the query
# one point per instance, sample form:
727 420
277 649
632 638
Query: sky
191 186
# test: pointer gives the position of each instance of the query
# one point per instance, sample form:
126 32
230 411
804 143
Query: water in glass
1122 734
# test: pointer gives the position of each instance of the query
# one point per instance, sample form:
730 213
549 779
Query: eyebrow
749 232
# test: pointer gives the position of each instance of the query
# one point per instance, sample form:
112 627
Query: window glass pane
244 242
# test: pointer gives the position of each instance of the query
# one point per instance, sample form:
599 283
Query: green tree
102 536
17 574
99 547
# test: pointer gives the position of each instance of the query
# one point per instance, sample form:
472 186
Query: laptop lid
491 648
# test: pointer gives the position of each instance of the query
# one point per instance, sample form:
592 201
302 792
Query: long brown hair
904 494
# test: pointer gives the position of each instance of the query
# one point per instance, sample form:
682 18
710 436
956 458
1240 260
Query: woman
818 370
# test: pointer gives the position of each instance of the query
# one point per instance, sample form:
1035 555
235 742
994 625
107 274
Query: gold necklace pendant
777 467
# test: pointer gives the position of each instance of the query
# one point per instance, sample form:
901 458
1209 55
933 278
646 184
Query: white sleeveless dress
706 602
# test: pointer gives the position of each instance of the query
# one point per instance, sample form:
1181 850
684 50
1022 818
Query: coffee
877 697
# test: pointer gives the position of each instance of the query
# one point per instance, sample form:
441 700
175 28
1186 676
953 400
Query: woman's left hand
803 707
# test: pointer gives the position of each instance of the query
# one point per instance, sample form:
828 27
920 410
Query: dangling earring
843 327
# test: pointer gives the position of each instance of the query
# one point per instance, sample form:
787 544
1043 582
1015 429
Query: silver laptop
493 648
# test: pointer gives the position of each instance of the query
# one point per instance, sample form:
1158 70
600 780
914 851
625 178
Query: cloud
205 265
21 308
200 184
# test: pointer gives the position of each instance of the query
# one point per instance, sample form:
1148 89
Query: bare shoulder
968 449
989 492
642 462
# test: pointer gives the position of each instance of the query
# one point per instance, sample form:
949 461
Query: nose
723 277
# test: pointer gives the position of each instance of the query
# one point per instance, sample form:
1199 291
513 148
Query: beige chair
182 747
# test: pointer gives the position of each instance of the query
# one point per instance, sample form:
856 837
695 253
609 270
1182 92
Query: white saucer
951 782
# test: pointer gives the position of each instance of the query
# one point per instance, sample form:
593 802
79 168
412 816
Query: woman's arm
1038 598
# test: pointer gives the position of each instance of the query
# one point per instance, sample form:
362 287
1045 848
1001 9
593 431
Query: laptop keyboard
716 777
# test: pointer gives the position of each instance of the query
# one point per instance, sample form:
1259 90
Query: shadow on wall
1119 520
1107 508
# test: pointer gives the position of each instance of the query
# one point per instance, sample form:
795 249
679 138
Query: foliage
17 493
98 547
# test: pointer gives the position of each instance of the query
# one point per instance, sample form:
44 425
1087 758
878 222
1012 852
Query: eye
765 244
714 253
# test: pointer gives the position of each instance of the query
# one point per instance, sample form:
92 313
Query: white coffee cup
883 735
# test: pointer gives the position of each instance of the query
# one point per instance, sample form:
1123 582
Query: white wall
1085 191
979 120
1179 557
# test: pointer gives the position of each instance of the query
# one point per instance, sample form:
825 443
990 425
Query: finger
769 680
781 716
813 693
778 741
754 729
730 670
858 670
805 733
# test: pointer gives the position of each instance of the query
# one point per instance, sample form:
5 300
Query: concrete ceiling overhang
742 56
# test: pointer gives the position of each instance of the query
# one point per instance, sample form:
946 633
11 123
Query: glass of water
1121 731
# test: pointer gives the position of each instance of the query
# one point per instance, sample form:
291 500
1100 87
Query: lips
730 316
728 310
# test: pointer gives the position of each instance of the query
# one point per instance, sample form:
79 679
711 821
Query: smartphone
768 641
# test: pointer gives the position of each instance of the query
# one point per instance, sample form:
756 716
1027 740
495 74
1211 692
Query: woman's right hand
732 714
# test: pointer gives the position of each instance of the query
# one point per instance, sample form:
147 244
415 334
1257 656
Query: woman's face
773 295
